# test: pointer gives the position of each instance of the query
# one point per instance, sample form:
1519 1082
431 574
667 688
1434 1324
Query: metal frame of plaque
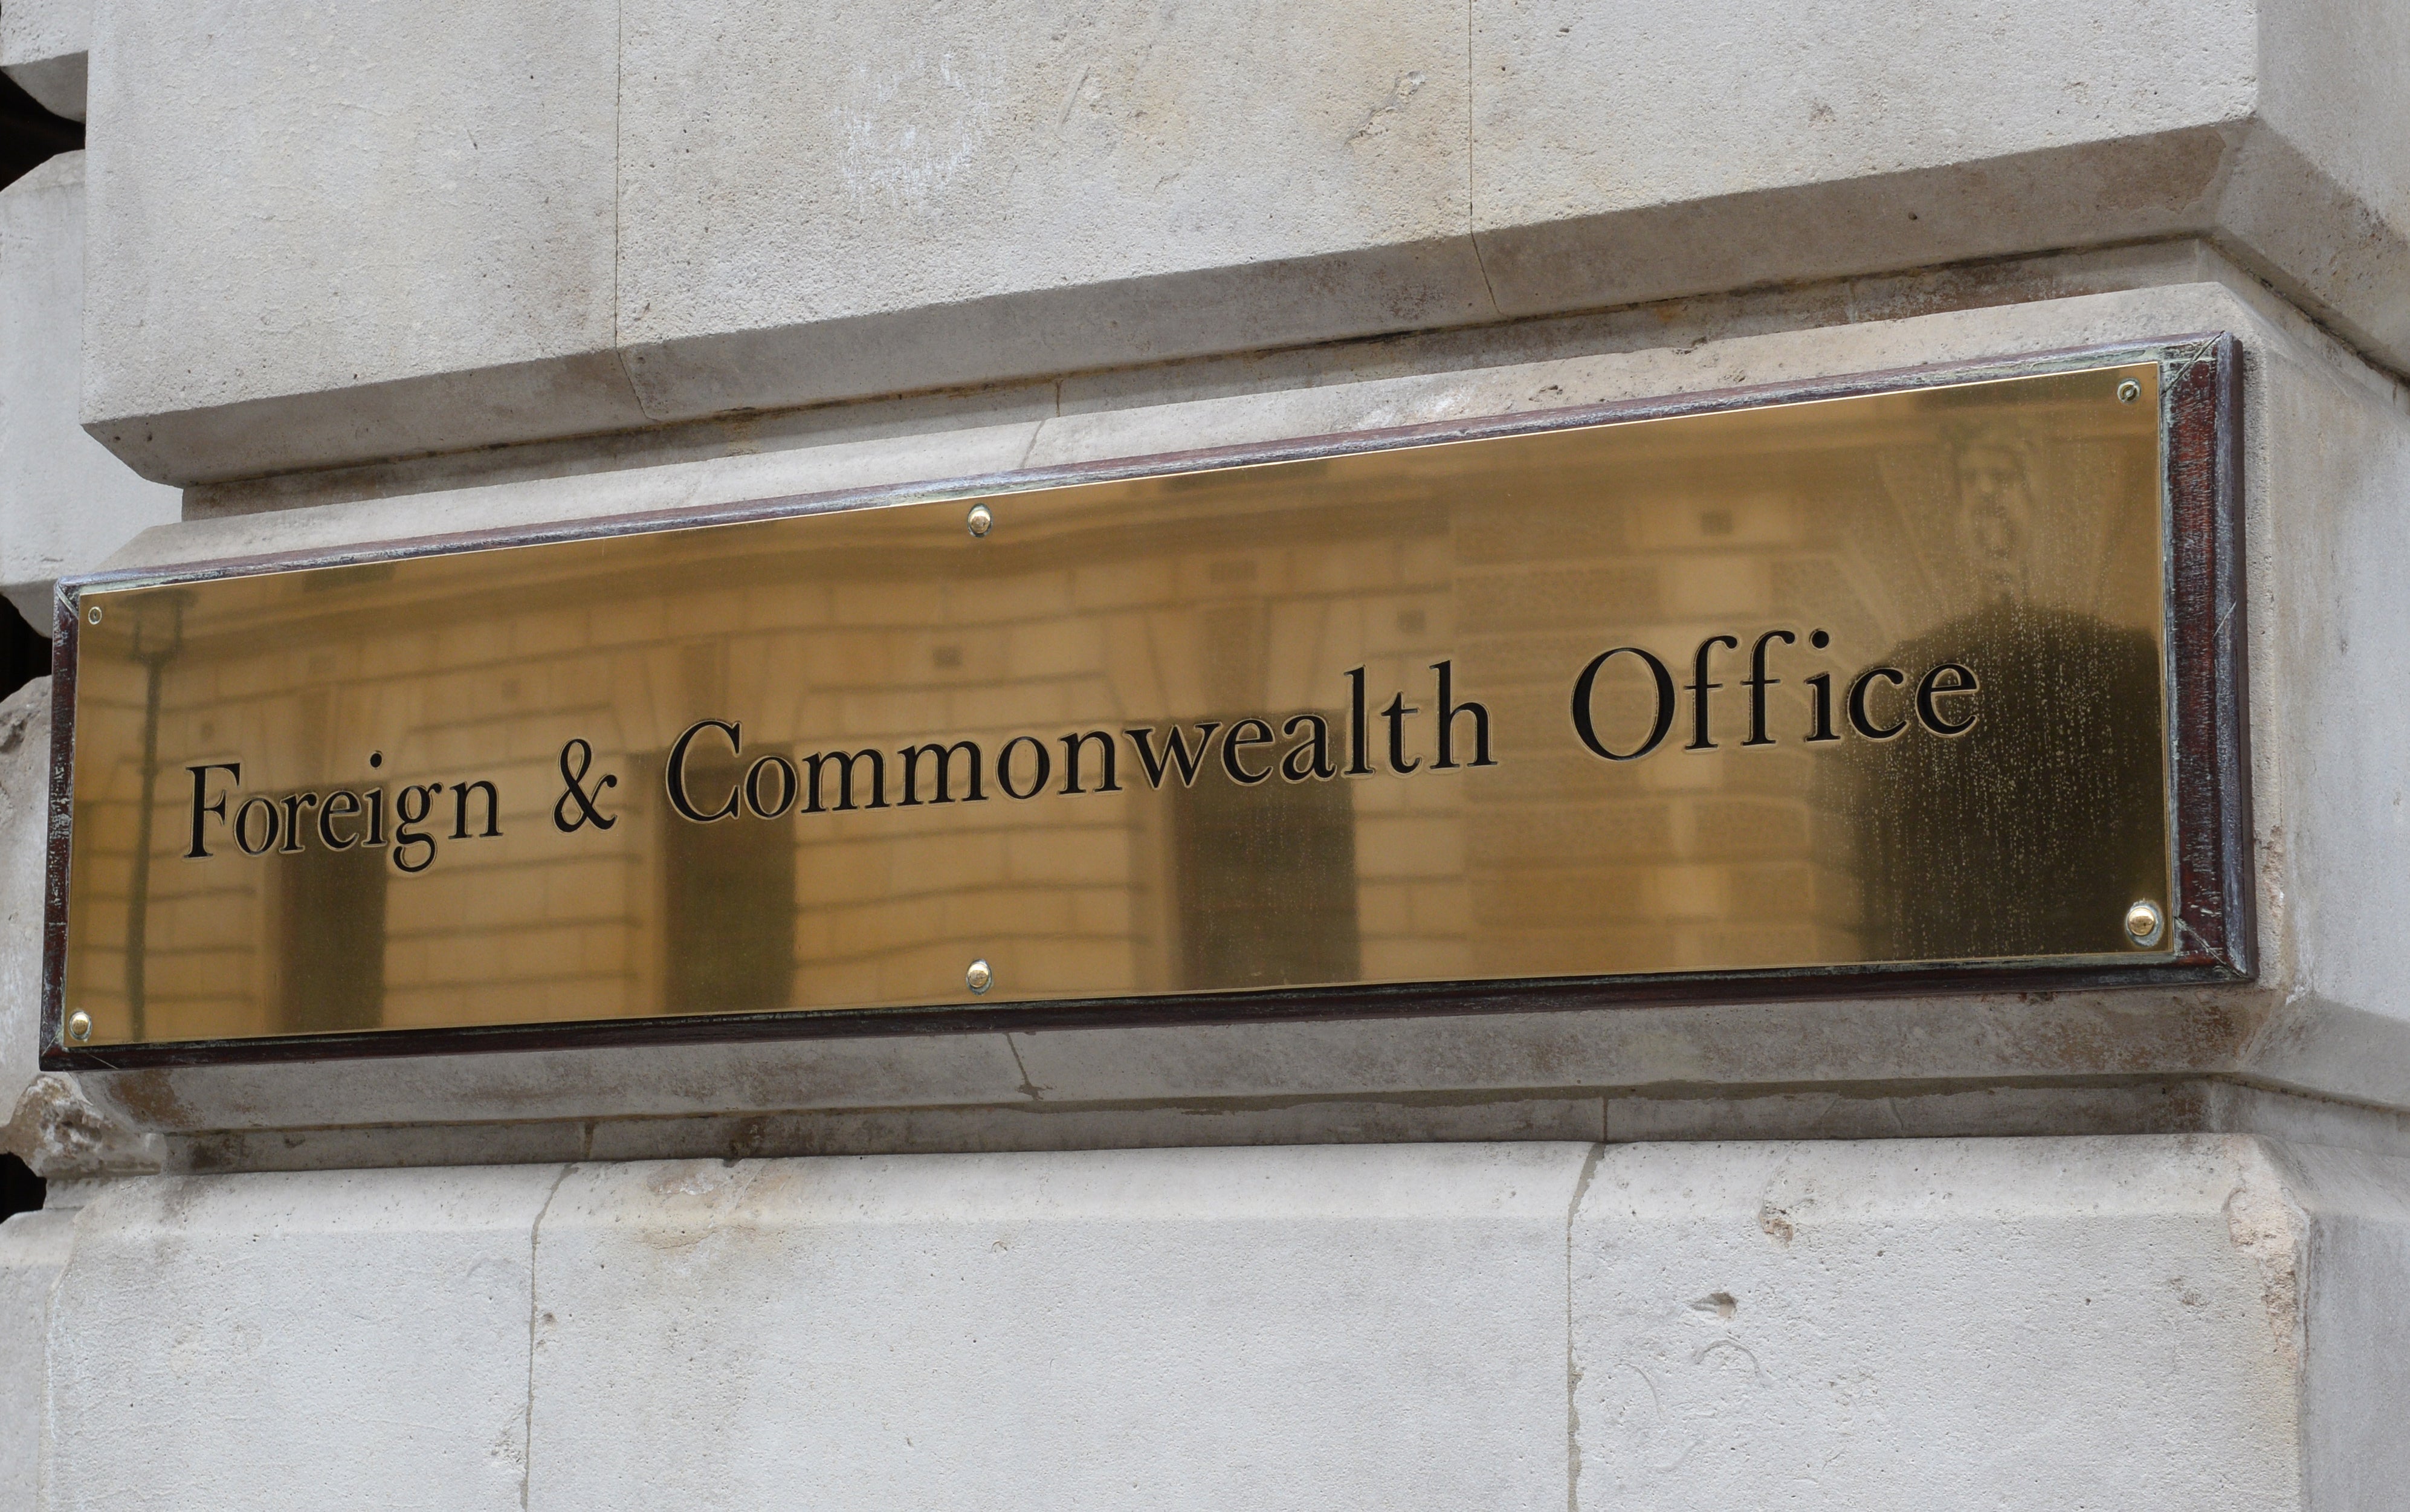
1892 915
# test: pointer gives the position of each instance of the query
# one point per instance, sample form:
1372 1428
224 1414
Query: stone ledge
1872 1110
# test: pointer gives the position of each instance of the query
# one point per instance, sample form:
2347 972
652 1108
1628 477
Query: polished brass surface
1856 681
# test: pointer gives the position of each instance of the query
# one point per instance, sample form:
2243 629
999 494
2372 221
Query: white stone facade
45 46
361 274
64 502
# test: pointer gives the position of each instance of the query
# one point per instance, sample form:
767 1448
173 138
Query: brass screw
2145 922
982 521
979 978
2129 391
93 613
79 1026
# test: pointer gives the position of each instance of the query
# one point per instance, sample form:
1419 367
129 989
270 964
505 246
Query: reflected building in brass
1861 681
2045 820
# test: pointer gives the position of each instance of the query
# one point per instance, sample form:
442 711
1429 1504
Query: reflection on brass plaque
1858 682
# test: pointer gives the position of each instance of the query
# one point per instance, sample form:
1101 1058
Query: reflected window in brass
728 901
329 952
1266 882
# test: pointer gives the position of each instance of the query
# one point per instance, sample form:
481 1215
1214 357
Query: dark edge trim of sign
2207 674
2209 709
55 1056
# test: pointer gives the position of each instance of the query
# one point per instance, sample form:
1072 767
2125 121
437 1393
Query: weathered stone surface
1616 161
65 501
2357 1374
319 1340
1302 1328
2319 196
724 206
43 46
2011 1323
2194 1321
321 235
1620 159
1075 183
33 1247
60 1133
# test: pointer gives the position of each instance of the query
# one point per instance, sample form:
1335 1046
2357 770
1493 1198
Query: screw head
2145 922
79 1026
92 615
981 520
979 978
2129 391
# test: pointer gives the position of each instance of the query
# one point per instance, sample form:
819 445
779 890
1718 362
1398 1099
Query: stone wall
367 274
2036 1323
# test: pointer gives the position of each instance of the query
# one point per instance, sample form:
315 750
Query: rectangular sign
1872 690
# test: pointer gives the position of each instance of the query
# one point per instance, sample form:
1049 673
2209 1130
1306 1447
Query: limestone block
726 205
2357 1209
321 1340
876 198
65 502
466 295
2326 727
2195 1321
1305 1328
43 43
2012 1323
321 235
2318 191
33 1248
1617 160
2049 113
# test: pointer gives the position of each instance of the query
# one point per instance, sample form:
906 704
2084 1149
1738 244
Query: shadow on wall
24 651
29 134
20 1190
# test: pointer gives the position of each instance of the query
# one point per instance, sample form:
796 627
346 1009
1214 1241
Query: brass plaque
1858 682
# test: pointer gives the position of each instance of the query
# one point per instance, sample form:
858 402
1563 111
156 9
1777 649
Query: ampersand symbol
577 794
